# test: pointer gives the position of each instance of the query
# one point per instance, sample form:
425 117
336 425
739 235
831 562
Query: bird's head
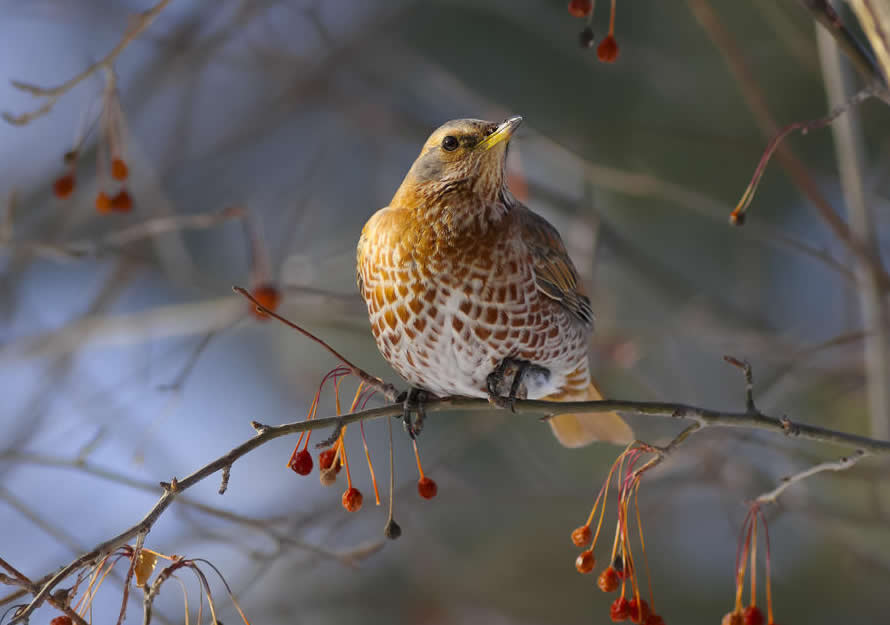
463 156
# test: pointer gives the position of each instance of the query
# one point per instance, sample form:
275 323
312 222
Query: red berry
352 499
619 610
268 296
581 536
326 460
61 620
580 8
639 610
302 463
103 202
607 51
654 619
608 580
121 203
753 616
427 488
119 169
732 618
62 188
585 561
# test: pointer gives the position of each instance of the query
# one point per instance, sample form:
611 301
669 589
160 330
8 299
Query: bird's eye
450 143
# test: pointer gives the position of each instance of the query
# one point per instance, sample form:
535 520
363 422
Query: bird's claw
412 403
496 379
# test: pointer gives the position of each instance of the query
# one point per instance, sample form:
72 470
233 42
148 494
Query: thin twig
756 101
837 465
119 239
52 94
387 390
739 213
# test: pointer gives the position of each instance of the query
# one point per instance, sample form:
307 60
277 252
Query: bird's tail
577 430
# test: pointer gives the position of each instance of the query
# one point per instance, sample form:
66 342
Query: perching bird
471 293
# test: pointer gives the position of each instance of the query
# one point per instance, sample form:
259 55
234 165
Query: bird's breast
444 314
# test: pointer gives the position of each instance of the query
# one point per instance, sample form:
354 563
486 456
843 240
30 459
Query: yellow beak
502 133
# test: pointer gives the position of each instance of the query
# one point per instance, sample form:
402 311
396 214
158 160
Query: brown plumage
460 278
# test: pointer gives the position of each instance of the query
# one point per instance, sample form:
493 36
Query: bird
471 293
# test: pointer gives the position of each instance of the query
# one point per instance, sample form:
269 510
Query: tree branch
704 417
837 465
52 94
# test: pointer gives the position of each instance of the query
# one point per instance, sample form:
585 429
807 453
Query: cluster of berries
607 51
333 459
621 574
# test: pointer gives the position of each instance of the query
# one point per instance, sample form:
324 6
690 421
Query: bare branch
387 390
756 100
52 94
837 465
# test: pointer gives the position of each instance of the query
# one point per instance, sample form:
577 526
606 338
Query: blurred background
260 135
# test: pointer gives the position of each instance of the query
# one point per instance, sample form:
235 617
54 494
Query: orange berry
580 8
752 615
585 561
119 169
581 535
61 620
352 499
63 187
654 619
267 295
639 610
732 618
607 51
608 580
326 461
302 463
122 203
103 202
427 488
619 610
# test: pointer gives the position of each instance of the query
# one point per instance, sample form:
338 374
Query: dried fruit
607 51
752 616
352 499
121 203
581 535
639 610
302 463
732 618
608 580
103 202
619 610
427 488
326 460
119 169
585 561
580 8
269 296
63 187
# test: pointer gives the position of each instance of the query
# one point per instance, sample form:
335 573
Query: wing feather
555 275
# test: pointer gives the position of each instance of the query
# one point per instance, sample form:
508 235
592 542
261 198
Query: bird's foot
515 370
412 404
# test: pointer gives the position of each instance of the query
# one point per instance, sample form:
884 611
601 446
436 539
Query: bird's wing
555 275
